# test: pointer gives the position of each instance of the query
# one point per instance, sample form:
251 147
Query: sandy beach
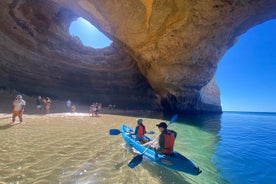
65 147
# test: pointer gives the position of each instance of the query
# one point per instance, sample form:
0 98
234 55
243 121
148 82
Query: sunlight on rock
88 34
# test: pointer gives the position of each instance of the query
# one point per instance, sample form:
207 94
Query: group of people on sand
47 103
163 144
19 105
94 109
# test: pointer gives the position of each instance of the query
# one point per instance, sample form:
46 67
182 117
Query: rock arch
164 53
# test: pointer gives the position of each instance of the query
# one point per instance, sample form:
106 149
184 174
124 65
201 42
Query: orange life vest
141 131
169 143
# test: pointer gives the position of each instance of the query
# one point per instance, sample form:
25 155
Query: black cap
162 124
139 121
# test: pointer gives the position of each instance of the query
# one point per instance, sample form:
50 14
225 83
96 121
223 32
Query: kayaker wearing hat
166 139
140 130
18 108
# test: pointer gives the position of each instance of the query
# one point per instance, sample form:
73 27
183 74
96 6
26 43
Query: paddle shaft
149 144
117 132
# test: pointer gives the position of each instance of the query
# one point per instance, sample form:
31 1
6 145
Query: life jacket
141 131
169 143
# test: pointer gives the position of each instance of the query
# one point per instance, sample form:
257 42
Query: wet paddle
139 158
117 132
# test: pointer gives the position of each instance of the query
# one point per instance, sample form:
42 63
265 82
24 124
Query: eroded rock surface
164 53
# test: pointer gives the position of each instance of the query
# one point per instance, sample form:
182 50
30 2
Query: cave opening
246 74
88 34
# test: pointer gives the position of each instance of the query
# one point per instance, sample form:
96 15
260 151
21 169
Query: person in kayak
166 140
140 130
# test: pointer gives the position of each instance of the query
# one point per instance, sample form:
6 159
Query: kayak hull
177 162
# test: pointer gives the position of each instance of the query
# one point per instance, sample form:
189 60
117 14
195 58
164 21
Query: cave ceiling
164 54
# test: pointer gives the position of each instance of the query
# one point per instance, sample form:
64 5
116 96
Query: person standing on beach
91 110
18 108
73 108
98 108
47 102
39 103
68 104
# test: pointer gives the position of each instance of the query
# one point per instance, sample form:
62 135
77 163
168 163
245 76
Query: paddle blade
135 161
173 119
114 132
150 132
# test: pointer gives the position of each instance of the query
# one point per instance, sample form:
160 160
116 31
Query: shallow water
75 148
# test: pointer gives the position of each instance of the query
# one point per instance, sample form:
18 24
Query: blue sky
246 74
88 34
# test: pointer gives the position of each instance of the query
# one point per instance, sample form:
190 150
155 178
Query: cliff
164 53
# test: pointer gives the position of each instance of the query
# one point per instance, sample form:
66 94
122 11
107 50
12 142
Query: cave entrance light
88 34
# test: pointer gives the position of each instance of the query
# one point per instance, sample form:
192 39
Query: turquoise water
234 147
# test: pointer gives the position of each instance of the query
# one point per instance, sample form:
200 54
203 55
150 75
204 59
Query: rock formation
164 53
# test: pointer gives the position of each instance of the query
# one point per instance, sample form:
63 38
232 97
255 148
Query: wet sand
63 147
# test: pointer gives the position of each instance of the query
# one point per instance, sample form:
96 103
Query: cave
163 54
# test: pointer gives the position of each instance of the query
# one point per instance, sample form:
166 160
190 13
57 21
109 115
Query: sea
230 148
234 148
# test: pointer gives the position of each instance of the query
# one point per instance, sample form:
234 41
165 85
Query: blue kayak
176 162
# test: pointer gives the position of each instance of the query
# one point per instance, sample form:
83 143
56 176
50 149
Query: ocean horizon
261 112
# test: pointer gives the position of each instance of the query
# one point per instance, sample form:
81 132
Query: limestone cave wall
164 53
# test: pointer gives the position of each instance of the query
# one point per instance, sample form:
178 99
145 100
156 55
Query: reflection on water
197 139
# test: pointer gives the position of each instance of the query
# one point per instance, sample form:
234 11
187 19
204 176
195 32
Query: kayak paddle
139 158
117 132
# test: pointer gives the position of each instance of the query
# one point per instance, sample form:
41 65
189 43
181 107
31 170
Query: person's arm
153 142
160 147
23 106
136 130
161 143
148 143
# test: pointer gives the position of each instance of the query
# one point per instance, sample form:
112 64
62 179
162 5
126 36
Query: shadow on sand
4 127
